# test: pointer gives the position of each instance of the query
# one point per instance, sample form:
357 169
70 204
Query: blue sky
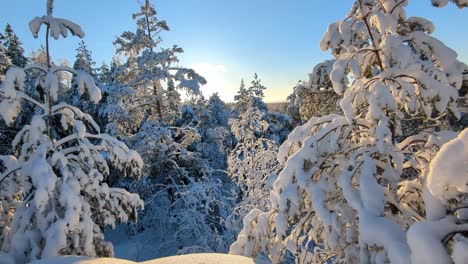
225 40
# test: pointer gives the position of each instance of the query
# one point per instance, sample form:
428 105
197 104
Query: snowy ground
211 258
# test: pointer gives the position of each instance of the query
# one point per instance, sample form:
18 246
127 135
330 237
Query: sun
215 75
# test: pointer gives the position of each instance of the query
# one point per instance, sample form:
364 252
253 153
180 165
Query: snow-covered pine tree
54 198
103 73
351 185
5 61
242 99
174 101
5 215
14 47
257 87
218 110
137 85
84 61
146 68
145 71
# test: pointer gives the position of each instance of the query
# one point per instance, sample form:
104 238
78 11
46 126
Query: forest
365 161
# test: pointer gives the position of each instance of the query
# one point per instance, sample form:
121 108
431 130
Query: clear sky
225 40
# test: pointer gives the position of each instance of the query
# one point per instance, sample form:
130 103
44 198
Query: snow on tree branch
442 3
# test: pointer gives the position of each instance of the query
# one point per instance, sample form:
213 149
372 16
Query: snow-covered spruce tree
280 126
5 62
242 99
54 198
11 54
84 61
210 119
14 47
257 87
219 111
173 102
103 73
217 139
352 186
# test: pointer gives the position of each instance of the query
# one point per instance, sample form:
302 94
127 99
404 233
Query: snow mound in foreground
210 258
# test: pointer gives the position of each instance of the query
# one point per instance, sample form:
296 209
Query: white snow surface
58 26
448 176
447 179
86 82
205 258
460 252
